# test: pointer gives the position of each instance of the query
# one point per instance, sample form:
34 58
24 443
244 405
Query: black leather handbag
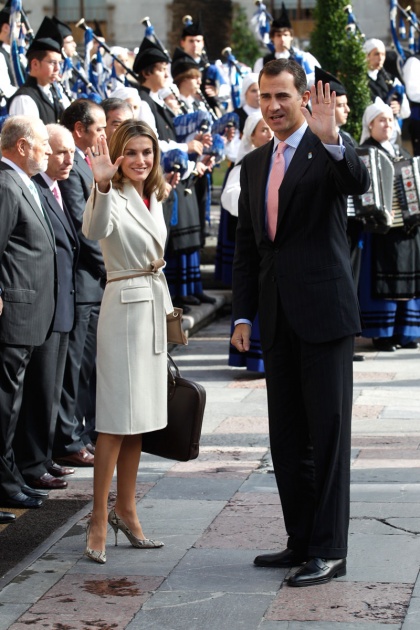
180 439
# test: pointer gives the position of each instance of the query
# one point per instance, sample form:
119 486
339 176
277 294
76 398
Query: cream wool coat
131 355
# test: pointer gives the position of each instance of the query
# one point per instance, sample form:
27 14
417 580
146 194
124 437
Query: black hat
47 37
64 28
191 29
326 77
5 13
181 62
282 21
97 30
149 53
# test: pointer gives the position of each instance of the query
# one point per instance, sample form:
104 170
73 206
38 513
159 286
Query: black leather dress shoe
21 501
205 298
6 517
318 571
37 494
281 560
384 344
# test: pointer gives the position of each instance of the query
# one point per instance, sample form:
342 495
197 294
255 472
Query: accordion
406 198
374 208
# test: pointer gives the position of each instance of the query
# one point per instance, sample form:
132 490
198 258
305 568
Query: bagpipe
352 26
18 44
261 21
99 80
175 161
398 13
235 76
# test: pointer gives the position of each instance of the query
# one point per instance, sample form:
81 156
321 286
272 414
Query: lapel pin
309 156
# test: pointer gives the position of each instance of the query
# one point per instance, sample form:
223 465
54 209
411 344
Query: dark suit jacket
307 266
27 259
90 273
67 245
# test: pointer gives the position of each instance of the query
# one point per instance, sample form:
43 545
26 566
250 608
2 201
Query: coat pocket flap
136 294
23 296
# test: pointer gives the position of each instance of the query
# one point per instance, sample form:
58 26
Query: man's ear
21 147
305 98
79 128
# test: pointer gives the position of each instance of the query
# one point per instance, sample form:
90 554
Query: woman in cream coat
124 213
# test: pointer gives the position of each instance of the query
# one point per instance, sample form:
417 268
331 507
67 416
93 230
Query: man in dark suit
299 279
27 263
44 374
72 443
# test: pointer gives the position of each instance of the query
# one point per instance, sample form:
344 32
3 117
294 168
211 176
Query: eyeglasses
52 64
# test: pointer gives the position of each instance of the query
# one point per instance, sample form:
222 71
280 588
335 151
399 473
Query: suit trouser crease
14 360
38 415
81 351
309 389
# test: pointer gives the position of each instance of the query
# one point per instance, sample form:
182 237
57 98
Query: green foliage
244 44
341 53
352 72
329 33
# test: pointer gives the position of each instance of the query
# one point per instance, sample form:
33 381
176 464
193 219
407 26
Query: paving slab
226 570
202 489
342 602
324 625
180 610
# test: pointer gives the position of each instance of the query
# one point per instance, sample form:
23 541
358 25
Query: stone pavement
217 512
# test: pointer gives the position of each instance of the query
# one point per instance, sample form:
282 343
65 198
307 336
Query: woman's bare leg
107 450
127 468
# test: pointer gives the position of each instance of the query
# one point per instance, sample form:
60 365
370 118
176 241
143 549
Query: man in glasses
40 95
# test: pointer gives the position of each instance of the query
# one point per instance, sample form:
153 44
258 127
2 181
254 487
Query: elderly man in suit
292 265
72 444
27 264
44 374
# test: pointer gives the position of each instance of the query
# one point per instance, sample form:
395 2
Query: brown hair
276 67
191 73
126 131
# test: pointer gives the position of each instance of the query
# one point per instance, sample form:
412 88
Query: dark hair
125 132
80 110
39 55
111 104
147 71
280 29
276 67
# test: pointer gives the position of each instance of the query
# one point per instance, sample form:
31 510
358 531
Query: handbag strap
155 265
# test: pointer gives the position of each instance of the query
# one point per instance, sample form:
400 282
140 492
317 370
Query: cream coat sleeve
97 217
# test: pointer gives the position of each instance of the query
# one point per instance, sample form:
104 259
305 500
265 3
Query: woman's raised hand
102 168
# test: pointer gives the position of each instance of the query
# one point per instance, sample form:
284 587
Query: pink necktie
276 178
57 194
87 160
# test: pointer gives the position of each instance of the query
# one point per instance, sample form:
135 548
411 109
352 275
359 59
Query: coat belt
159 315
